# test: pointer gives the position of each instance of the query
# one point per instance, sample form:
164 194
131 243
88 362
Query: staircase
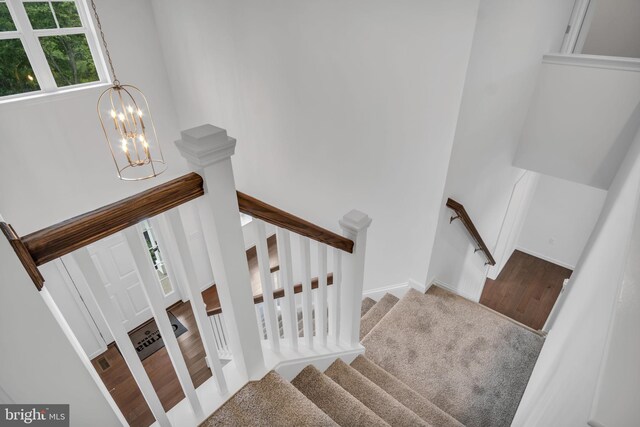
431 359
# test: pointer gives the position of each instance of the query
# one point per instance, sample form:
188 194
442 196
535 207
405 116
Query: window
157 258
47 46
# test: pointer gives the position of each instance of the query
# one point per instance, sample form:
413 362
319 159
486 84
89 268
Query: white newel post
354 226
208 149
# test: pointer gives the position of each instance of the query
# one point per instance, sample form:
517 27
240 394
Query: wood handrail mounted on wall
65 237
463 216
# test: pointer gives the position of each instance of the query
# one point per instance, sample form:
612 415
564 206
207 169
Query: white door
114 262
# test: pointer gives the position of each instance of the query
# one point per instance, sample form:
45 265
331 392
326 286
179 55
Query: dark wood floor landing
526 289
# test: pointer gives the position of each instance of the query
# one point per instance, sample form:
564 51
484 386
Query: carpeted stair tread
375 398
376 313
367 303
335 401
464 359
272 401
404 394
232 416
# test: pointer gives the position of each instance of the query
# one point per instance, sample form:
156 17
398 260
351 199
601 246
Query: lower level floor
526 289
118 379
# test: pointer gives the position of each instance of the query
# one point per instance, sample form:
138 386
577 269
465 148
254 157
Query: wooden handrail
67 236
23 254
259 209
212 301
463 216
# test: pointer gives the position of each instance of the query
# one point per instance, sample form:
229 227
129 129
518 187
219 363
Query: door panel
121 279
136 295
118 307
114 262
121 258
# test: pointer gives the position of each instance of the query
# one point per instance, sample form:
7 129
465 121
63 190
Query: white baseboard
289 369
441 284
546 258
97 353
397 290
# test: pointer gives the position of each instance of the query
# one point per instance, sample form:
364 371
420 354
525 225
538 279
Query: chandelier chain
116 82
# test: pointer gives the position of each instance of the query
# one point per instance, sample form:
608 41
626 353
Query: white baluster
208 150
289 320
216 334
307 303
153 291
270 315
260 320
334 307
354 226
114 323
321 295
223 332
176 230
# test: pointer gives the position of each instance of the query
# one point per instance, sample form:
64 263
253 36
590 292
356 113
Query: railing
463 216
329 320
212 300
63 238
261 210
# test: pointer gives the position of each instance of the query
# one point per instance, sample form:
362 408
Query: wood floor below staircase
123 388
526 289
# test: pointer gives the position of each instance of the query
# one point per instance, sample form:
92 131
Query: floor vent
103 363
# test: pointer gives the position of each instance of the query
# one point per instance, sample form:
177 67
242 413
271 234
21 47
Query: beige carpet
341 406
466 360
376 313
404 394
375 398
367 303
432 359
272 401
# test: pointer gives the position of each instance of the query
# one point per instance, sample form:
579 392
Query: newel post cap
205 145
355 221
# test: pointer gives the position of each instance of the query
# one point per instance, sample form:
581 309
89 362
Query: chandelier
128 126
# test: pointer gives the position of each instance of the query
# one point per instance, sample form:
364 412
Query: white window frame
30 41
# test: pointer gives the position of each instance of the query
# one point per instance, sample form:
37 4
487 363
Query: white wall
519 203
39 364
509 41
582 118
560 220
54 161
336 105
563 383
64 292
614 29
616 402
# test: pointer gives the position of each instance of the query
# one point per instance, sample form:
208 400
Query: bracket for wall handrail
463 216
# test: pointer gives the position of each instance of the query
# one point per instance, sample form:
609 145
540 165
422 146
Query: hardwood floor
526 289
123 388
